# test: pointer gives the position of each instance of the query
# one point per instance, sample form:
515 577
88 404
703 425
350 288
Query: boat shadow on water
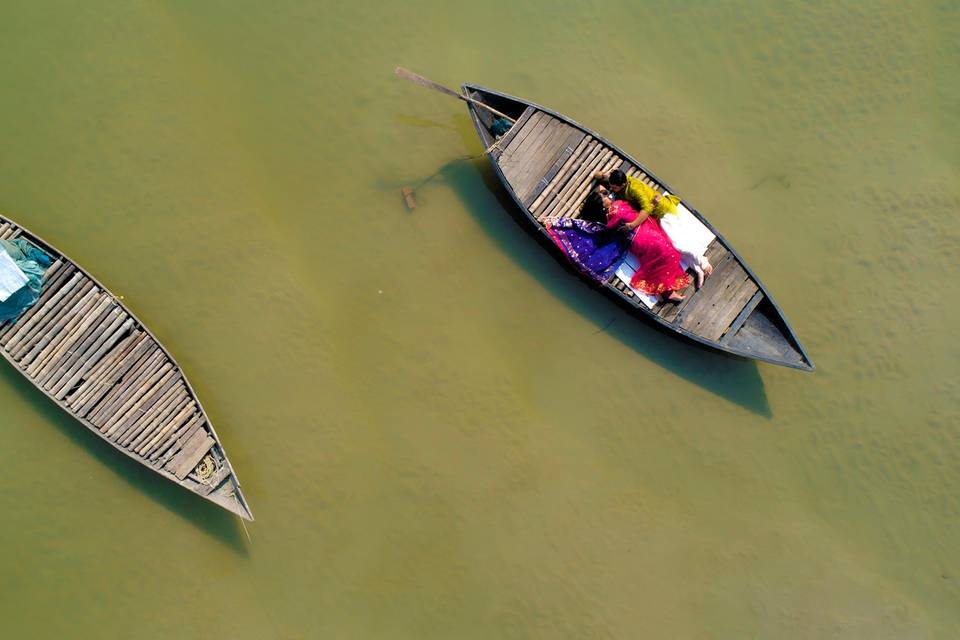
200 513
736 380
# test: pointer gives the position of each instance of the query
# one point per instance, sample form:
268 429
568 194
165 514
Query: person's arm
600 175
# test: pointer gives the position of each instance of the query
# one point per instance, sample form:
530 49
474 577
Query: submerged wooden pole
408 200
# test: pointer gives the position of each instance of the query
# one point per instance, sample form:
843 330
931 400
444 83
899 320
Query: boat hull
546 165
87 352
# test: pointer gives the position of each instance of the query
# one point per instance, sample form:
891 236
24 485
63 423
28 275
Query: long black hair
592 208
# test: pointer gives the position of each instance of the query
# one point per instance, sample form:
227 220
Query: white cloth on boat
690 237
12 277
625 272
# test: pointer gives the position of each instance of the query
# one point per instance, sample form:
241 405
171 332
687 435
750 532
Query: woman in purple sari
587 242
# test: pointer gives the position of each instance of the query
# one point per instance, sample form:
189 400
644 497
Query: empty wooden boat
88 353
546 162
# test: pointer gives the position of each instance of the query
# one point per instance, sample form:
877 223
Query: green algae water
442 433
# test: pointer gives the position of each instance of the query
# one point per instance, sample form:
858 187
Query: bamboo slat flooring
573 185
82 348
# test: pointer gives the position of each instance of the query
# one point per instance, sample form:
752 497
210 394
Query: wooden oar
406 74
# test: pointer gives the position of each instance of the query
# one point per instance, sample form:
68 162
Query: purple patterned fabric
594 249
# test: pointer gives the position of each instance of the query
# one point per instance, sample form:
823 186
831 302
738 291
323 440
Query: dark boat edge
241 508
533 226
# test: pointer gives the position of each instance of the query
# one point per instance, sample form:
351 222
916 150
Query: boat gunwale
806 365
248 514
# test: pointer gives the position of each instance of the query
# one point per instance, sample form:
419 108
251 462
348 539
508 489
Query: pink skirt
659 269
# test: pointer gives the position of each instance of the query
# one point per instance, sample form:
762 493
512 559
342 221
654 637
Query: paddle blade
416 78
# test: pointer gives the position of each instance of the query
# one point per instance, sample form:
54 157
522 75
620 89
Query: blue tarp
33 262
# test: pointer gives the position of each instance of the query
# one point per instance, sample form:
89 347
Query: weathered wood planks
519 125
188 457
527 171
82 348
742 317
716 253
719 301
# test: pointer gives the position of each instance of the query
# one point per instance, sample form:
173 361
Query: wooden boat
546 162
88 353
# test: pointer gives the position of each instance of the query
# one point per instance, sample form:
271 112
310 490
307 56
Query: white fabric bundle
12 278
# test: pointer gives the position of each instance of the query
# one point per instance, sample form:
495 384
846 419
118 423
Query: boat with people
555 168
84 349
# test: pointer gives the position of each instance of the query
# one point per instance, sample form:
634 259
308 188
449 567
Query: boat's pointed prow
509 106
765 334
231 498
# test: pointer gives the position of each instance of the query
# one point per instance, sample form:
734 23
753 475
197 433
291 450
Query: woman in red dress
659 271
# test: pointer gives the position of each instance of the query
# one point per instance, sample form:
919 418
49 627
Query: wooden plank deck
719 301
534 152
519 128
742 317
549 164
716 253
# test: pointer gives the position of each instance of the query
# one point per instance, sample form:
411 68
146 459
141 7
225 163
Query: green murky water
439 433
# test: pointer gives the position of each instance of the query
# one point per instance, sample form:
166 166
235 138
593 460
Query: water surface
441 433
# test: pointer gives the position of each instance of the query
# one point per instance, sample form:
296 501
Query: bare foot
707 267
699 272
673 296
